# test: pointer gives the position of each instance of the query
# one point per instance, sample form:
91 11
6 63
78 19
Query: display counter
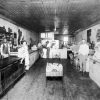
62 53
33 56
94 70
10 70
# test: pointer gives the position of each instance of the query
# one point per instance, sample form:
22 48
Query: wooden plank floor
32 86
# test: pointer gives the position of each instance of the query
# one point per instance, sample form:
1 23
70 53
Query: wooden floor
32 86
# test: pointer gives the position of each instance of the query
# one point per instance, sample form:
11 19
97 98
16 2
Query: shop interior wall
61 37
83 34
26 34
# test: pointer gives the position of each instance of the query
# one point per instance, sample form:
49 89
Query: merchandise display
54 70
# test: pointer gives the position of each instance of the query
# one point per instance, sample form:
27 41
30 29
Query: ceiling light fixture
55 23
56 19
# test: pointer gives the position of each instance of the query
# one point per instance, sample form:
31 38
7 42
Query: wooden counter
33 56
10 70
94 71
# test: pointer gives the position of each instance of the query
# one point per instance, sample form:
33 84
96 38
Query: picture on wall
19 36
15 39
98 35
88 36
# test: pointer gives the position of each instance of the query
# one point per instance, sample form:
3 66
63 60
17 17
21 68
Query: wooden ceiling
39 15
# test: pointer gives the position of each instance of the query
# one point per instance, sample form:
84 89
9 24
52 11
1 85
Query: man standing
46 50
96 55
83 54
5 48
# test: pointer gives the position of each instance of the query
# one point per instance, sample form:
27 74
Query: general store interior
62 23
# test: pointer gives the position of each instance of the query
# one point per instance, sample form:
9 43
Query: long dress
24 54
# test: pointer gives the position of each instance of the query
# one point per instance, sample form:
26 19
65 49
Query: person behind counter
46 50
83 54
96 55
5 48
39 46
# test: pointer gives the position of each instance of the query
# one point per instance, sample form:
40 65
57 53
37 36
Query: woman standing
25 54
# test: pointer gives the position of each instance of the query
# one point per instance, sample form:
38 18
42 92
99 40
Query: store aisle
79 87
33 86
